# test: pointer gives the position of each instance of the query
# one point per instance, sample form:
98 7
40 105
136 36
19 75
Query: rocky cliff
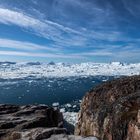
111 111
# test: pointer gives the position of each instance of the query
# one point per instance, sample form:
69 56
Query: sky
70 30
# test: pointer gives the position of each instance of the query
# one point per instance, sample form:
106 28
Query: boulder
16 120
111 111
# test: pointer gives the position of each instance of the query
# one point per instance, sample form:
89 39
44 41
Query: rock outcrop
33 122
29 122
111 111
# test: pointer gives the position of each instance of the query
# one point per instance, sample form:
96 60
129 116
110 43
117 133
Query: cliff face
111 111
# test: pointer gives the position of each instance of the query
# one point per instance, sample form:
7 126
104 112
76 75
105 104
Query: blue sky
70 30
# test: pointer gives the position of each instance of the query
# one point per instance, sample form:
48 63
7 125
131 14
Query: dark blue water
47 90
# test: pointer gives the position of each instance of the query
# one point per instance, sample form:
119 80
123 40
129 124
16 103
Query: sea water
32 90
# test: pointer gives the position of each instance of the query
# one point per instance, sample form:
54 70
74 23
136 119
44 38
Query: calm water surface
47 90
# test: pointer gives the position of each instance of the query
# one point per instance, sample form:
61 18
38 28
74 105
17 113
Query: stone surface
70 137
35 134
14 120
111 111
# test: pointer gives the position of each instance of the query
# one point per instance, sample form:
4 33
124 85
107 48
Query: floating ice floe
62 110
55 104
22 70
68 105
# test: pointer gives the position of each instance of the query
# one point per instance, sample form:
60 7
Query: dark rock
2 133
17 119
111 111
7 125
6 109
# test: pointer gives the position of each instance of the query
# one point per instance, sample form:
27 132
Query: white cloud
12 17
54 31
62 36
43 55
22 45
132 8
96 53
46 28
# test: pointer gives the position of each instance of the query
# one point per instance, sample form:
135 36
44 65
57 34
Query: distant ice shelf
12 70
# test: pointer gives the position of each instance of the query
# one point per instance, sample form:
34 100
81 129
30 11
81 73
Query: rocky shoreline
110 111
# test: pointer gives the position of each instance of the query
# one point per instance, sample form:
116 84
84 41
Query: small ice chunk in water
55 104
68 105
62 110
80 101
74 106
19 97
